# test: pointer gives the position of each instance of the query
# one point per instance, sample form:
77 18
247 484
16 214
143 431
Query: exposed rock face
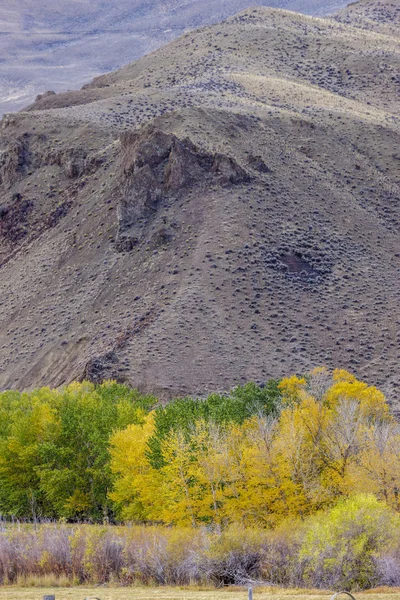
39 177
73 161
45 95
14 219
14 160
157 167
30 151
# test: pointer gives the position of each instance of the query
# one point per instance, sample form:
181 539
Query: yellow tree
371 401
210 471
195 475
299 445
137 486
272 471
178 481
239 504
378 467
322 429
257 493
293 390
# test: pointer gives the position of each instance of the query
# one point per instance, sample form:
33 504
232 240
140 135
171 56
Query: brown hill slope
224 209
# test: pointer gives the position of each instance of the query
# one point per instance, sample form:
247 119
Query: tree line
260 455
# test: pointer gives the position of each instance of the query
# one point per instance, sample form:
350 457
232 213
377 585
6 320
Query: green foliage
274 472
182 414
54 444
257 456
54 448
26 423
237 458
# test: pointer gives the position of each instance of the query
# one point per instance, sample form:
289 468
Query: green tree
75 473
54 448
221 409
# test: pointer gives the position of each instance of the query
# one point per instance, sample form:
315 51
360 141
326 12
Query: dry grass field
168 593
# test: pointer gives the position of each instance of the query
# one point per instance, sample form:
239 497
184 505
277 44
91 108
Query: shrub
234 557
340 547
280 564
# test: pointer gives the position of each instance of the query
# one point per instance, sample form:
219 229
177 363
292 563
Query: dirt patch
297 266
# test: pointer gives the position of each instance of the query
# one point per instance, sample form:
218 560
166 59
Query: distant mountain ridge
61 45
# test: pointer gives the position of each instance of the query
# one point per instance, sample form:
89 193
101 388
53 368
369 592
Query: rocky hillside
224 209
61 45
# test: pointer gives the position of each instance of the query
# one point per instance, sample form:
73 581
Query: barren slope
224 209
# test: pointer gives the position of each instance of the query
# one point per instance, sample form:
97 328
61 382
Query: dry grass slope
249 228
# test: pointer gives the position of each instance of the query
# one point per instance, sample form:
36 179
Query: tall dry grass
64 555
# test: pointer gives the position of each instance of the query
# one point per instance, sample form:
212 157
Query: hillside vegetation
223 210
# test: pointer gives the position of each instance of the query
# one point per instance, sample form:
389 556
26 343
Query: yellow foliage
342 375
371 401
293 389
377 470
137 486
333 437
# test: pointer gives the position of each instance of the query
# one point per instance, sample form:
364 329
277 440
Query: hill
376 16
61 45
224 209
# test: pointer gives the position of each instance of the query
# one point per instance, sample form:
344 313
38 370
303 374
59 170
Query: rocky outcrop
31 152
45 95
101 368
14 219
14 160
157 167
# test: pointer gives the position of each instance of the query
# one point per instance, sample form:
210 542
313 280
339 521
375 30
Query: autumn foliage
293 482
257 456
330 437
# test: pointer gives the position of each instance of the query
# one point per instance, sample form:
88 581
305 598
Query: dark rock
156 168
101 368
45 95
257 163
